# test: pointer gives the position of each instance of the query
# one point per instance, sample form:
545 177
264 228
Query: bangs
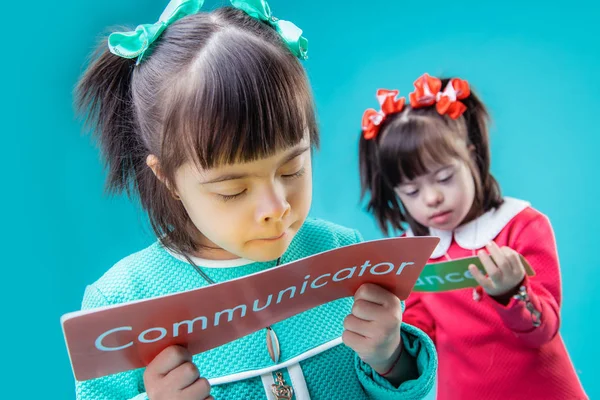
244 100
415 147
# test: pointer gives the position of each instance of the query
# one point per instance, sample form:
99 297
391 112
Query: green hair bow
290 33
134 44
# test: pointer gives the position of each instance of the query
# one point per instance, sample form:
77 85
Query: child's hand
173 376
372 330
504 273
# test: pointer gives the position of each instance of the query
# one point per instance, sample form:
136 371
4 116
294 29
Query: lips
441 218
273 238
440 214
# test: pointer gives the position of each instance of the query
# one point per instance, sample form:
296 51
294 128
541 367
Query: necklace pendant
273 345
281 390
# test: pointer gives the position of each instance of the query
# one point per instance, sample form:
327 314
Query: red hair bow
427 92
372 119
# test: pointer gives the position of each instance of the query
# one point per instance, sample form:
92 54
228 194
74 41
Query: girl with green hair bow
208 118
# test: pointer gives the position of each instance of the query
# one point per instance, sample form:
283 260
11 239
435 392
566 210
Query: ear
153 163
472 153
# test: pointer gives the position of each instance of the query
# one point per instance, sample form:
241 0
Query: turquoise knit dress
313 359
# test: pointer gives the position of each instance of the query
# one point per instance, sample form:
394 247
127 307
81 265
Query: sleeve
357 238
537 244
419 346
417 314
123 386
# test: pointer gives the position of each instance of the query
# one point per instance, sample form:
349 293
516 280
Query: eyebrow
229 177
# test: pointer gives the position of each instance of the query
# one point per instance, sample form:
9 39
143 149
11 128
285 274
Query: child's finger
183 376
357 325
353 340
169 359
367 310
513 258
200 389
490 267
375 294
483 280
498 256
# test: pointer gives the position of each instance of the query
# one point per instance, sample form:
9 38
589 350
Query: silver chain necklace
272 340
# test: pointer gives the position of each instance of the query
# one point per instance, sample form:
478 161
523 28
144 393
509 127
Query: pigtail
477 120
104 96
383 202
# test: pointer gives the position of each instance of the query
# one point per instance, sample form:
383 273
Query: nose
433 196
273 205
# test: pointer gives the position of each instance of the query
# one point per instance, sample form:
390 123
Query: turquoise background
535 65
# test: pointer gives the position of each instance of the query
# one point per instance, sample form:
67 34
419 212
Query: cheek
300 191
209 215
300 196
306 189
465 190
418 212
469 183
222 227
411 205
196 209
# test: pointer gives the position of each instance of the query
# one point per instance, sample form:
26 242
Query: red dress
487 350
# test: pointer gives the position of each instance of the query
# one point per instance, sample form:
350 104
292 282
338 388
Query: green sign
452 275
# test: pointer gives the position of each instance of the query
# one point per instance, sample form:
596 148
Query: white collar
206 263
479 232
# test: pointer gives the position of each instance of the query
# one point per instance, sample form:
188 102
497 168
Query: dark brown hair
217 88
411 140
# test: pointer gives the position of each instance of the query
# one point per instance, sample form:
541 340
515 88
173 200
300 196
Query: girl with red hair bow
426 168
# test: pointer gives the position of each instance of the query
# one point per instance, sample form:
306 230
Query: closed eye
227 197
446 179
410 193
296 174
